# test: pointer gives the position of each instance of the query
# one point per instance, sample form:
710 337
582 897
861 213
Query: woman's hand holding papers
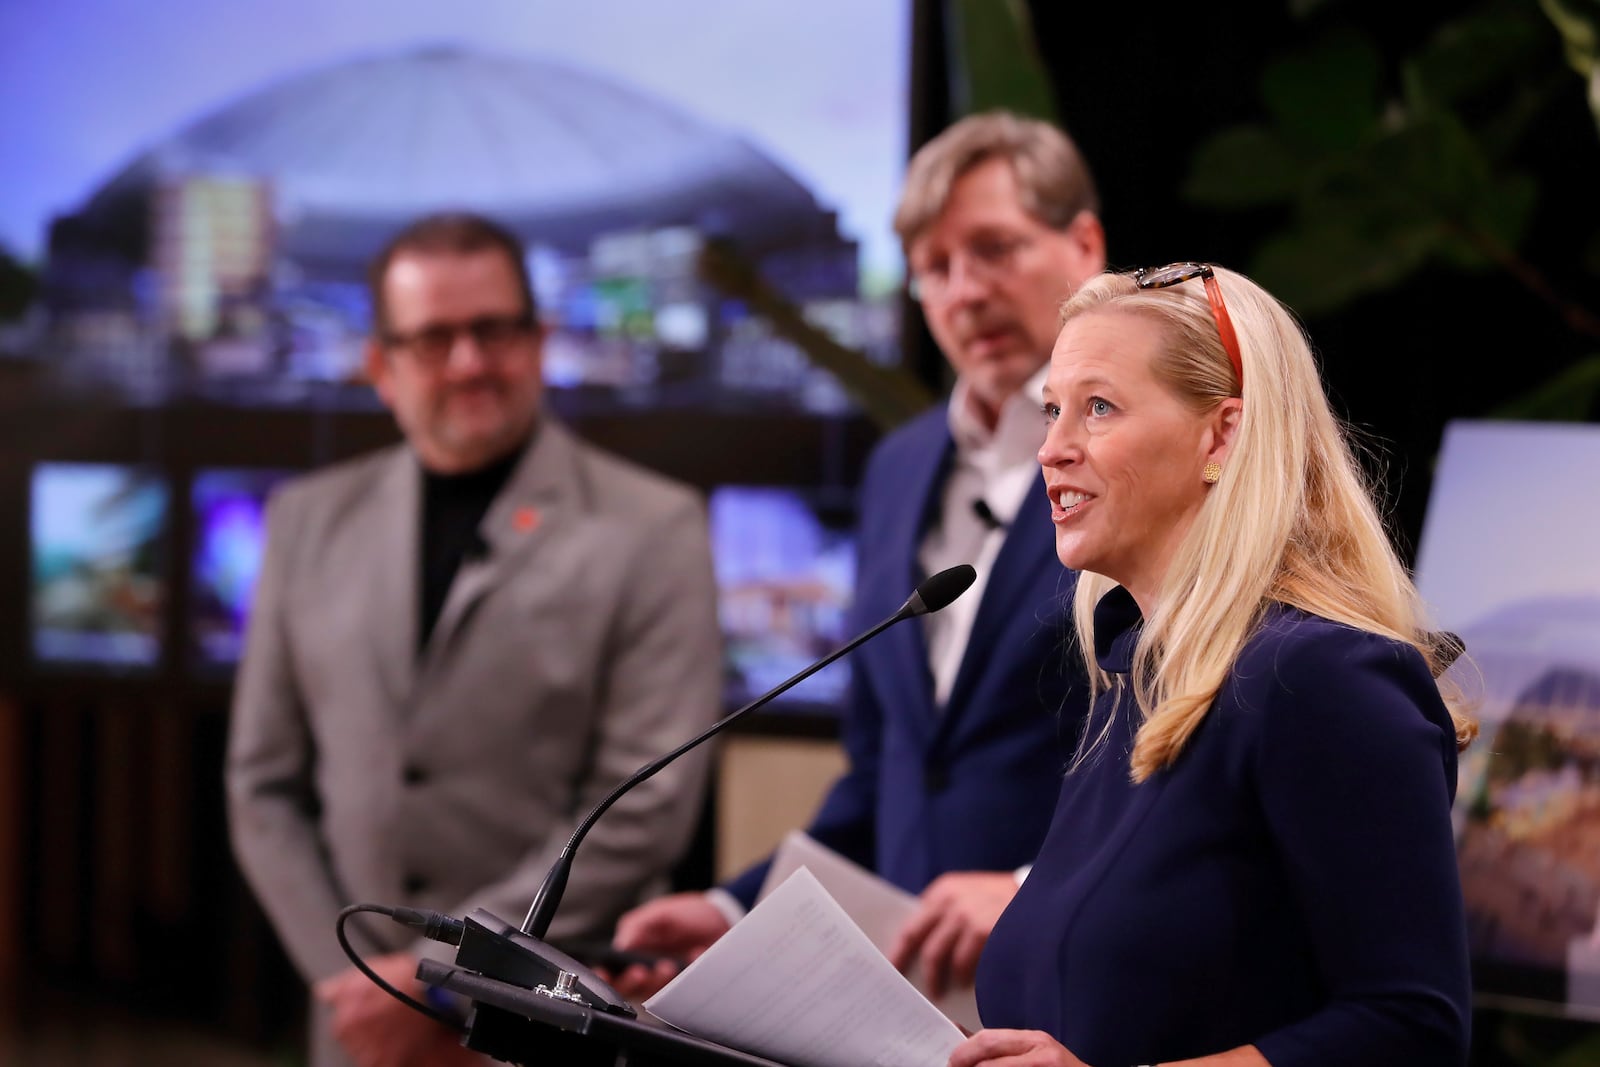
1018 1048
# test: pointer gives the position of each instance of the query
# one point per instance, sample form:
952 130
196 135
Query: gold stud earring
1211 472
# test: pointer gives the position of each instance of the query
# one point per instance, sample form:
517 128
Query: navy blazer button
935 778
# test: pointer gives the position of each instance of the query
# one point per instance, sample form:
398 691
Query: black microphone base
494 948
523 1026
511 1038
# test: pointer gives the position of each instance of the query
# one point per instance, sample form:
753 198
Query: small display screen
229 537
785 571
1518 580
98 535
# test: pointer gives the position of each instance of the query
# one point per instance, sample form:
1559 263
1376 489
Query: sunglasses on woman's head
1175 273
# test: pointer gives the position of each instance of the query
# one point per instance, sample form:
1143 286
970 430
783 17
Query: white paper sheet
880 908
797 981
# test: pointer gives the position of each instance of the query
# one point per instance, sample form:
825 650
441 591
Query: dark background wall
1142 87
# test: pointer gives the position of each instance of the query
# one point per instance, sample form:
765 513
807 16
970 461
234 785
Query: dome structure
355 150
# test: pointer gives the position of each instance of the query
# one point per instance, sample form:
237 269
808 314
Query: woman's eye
1098 406
1052 412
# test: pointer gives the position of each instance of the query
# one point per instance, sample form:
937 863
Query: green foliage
1378 183
1480 809
1578 22
1568 397
1470 57
1584 1053
1520 747
995 63
1323 101
1532 1041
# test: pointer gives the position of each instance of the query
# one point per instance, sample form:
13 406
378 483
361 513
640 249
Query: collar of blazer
545 482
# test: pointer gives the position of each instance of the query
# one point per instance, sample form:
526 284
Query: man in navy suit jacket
957 730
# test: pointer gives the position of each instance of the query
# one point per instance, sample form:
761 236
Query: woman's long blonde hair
1291 518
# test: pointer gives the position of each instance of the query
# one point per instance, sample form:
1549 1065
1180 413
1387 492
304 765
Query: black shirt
453 506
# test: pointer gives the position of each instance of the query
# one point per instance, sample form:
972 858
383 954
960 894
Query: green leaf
1497 221
1578 22
1568 397
1325 98
1320 268
1584 1052
1380 186
1434 171
1473 54
997 61
1591 254
1519 109
1360 191
1242 167
1436 163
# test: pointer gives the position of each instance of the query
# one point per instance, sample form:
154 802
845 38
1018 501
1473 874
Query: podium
532 1004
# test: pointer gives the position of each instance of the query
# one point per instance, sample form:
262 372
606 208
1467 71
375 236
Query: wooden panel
767 786
58 808
12 768
168 875
119 815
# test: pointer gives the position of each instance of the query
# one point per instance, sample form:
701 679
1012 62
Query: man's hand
376 1029
1016 1048
951 925
444 1049
682 925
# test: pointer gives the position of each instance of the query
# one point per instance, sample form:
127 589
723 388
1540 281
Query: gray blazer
584 645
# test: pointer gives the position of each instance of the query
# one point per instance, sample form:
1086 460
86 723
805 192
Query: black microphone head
940 590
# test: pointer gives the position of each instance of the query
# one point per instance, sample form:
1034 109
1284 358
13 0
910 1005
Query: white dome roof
356 150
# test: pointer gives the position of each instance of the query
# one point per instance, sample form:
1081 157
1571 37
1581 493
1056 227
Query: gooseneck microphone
934 593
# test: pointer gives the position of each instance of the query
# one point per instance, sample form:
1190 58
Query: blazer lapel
906 646
1006 615
514 526
394 521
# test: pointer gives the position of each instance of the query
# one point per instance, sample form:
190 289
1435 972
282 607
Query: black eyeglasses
985 259
494 336
1175 273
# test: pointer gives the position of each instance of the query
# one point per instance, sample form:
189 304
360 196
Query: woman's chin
1070 551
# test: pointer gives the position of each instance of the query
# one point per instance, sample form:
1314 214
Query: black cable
361 965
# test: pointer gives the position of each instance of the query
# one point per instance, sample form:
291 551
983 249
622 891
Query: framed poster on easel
1510 561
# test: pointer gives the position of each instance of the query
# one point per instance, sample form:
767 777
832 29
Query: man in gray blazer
458 646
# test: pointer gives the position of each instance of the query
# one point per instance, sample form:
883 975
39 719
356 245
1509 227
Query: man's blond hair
1052 179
